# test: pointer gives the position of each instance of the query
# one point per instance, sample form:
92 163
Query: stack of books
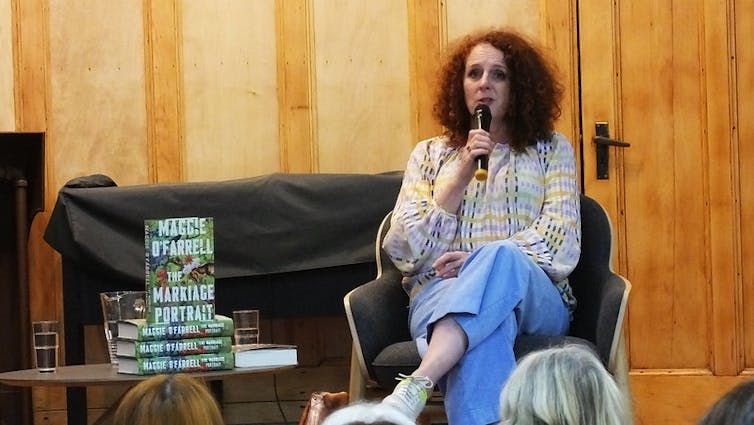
152 348
181 332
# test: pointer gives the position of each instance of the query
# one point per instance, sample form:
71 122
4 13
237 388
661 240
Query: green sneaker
410 395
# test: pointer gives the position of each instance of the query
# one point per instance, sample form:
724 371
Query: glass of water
46 342
246 327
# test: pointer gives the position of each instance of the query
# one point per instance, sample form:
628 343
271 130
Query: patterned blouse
530 198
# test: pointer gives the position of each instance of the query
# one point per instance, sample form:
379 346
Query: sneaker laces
412 390
410 395
421 380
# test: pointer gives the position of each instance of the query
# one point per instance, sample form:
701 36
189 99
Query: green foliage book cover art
180 269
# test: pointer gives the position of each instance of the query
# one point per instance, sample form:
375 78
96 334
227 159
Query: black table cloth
270 224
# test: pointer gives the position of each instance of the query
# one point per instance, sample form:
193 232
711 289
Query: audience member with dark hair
168 400
563 386
736 407
363 413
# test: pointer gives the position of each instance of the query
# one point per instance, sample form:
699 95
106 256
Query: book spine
185 364
210 328
183 347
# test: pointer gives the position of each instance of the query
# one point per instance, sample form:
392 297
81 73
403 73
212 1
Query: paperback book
175 364
260 355
173 347
180 269
141 330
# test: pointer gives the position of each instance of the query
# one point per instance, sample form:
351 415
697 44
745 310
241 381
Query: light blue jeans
499 293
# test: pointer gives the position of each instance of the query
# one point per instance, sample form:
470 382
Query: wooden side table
89 375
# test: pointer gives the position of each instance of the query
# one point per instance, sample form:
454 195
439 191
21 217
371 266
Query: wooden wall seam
16 54
723 230
311 89
413 70
163 91
149 89
296 87
30 42
736 205
425 50
742 127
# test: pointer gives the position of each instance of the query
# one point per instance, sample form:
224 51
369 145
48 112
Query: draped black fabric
270 224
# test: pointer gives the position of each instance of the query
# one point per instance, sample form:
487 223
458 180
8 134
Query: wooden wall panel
7 102
362 87
671 399
97 112
426 40
600 70
721 191
298 138
559 39
662 116
230 89
744 110
464 16
164 103
30 71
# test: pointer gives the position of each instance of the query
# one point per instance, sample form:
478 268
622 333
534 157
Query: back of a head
364 413
563 385
736 407
168 400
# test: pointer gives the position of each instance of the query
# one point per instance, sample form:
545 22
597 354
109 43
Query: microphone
481 119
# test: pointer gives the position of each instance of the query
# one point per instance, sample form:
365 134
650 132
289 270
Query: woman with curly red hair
485 260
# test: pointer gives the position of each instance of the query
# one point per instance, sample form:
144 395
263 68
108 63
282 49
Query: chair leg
620 371
356 381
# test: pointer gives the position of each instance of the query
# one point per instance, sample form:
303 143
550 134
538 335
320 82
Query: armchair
377 312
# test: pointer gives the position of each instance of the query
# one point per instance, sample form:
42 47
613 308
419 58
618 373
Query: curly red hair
535 93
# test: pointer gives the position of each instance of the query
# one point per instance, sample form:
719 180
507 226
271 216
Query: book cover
180 269
173 347
259 355
175 364
140 330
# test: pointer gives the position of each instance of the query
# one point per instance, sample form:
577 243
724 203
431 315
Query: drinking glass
46 342
246 327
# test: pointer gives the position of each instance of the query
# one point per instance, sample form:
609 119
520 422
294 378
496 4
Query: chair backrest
383 260
602 295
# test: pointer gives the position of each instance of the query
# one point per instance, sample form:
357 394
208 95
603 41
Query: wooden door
666 77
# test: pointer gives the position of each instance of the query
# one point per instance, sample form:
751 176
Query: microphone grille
485 116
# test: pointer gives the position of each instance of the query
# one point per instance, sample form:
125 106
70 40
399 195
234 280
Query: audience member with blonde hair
563 386
736 407
168 400
367 413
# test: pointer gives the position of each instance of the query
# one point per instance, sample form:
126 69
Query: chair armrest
377 313
599 313
612 316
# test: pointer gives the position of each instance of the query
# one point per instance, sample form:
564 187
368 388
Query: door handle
602 142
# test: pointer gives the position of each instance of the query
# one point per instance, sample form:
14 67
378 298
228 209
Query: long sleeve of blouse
529 197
